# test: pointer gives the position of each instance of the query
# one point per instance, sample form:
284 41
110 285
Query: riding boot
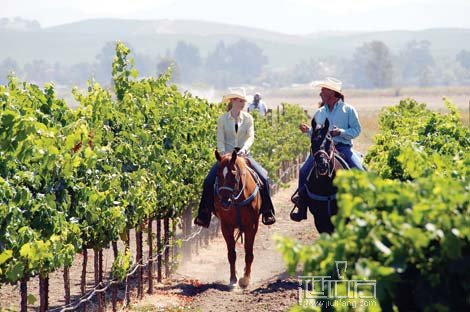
301 213
206 205
267 208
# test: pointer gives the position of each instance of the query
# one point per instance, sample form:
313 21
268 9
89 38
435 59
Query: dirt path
201 283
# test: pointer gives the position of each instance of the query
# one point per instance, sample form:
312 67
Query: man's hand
335 131
242 152
304 128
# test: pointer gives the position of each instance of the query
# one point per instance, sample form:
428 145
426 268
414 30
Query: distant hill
166 27
82 41
19 24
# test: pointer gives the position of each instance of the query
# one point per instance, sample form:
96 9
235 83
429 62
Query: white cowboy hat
234 93
329 83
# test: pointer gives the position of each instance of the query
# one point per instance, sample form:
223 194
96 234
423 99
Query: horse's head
322 148
230 171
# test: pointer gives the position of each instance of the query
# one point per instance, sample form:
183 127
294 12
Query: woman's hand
304 128
242 152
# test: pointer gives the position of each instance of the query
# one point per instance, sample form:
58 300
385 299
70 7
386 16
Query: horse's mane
241 159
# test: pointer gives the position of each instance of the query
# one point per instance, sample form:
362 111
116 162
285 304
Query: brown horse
237 205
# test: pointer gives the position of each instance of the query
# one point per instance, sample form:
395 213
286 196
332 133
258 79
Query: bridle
328 172
236 192
233 190
321 151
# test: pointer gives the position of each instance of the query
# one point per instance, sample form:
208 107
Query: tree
165 64
238 63
103 66
219 58
372 65
145 65
37 71
426 77
246 60
7 67
307 71
463 58
189 60
79 73
417 61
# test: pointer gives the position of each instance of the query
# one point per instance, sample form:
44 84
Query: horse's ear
234 157
324 130
217 155
314 124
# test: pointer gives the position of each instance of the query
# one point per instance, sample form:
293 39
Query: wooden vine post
159 250
150 256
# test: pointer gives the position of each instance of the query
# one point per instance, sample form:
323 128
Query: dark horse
237 202
319 193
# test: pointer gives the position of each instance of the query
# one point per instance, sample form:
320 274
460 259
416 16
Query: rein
234 198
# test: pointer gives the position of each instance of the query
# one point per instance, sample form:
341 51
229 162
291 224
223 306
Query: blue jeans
352 157
304 170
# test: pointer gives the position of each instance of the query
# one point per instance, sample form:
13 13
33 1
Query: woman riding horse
237 205
235 131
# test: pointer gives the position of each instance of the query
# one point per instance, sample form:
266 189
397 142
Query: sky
286 16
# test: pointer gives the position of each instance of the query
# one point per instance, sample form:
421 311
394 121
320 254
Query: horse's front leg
227 231
322 218
249 242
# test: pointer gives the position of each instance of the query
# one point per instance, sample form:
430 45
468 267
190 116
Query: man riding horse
342 127
235 131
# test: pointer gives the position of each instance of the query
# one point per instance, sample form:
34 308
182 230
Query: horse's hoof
244 282
233 281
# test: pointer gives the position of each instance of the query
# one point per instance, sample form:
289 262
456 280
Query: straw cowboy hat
329 83
235 93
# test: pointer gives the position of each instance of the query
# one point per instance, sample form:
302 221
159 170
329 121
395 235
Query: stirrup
268 220
298 215
301 213
295 199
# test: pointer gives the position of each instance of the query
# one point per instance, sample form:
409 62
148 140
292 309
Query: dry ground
201 284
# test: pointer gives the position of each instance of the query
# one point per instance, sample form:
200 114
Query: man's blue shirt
344 117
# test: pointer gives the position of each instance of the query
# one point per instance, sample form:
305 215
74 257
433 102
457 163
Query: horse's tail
238 234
